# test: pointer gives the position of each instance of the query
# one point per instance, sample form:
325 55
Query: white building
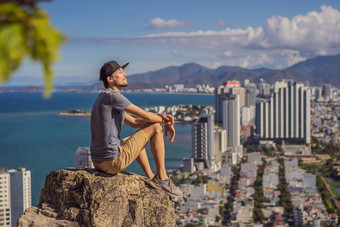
248 115
229 88
286 114
264 89
82 158
178 87
5 199
20 192
220 143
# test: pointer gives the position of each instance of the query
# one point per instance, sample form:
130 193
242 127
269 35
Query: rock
91 198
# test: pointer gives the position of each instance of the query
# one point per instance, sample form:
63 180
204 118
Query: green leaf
27 31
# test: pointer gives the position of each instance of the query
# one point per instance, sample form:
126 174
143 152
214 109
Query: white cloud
263 58
254 61
220 23
177 54
159 23
285 41
228 54
316 33
244 62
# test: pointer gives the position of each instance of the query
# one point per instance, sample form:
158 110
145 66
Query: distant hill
318 70
324 69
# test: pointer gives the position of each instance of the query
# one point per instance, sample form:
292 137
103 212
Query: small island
75 112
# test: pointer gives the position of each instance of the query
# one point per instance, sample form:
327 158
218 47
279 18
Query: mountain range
319 70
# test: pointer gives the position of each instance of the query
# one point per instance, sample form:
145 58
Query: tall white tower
82 158
286 115
5 199
20 192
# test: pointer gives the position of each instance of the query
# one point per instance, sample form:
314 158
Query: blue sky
155 34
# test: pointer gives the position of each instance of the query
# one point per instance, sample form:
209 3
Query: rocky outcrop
91 198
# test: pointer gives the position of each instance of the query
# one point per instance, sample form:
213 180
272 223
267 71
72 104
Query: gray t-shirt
107 118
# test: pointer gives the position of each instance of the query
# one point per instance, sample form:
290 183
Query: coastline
74 114
169 93
98 91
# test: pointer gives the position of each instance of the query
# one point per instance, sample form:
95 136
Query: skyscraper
251 96
248 115
229 88
241 92
219 94
286 114
5 199
82 158
20 192
231 119
220 143
264 88
202 139
327 91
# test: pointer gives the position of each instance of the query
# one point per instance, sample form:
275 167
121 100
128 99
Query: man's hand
171 130
167 118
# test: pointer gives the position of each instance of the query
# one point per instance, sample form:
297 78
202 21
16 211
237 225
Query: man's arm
148 116
133 122
130 121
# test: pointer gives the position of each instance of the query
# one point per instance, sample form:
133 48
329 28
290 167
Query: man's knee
152 129
158 128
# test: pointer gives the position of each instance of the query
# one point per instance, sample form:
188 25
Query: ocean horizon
34 136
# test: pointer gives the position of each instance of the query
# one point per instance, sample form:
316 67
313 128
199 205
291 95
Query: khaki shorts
130 148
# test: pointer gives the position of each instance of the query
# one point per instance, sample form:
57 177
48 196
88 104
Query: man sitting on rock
108 152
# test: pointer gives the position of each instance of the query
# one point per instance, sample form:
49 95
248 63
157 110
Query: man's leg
161 181
143 161
155 133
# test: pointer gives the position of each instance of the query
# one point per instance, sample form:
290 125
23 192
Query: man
108 152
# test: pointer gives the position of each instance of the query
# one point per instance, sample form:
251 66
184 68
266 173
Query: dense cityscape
264 155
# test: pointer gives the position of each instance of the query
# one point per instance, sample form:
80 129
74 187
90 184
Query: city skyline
152 35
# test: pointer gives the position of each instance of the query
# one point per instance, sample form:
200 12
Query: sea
34 136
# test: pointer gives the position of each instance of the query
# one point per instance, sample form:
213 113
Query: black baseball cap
109 68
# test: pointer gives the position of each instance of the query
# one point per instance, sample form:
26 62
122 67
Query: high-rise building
264 88
219 94
20 192
251 97
246 82
279 84
327 91
248 115
231 119
82 158
286 114
5 199
229 88
220 142
241 92
202 139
